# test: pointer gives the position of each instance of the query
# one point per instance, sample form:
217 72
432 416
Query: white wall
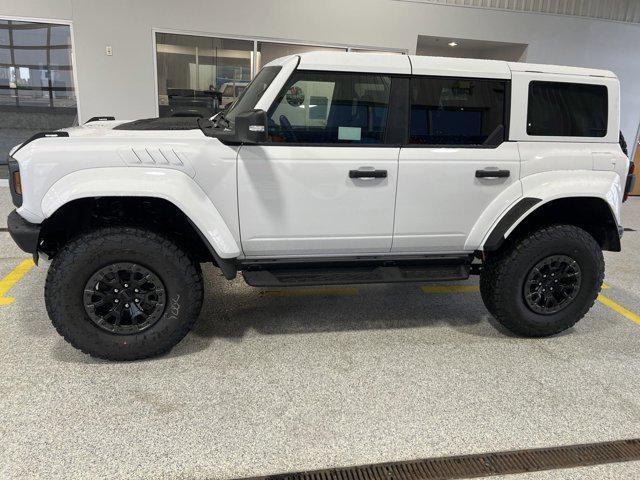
123 84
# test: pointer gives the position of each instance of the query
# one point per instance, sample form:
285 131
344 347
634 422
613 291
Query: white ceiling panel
613 10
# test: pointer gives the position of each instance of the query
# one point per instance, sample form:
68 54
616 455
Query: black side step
343 275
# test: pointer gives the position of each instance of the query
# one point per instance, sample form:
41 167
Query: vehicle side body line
171 185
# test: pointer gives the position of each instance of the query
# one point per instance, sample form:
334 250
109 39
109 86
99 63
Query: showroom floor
273 381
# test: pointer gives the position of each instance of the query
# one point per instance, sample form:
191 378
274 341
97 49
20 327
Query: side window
457 111
331 107
560 109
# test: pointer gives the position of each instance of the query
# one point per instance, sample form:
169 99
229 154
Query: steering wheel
287 129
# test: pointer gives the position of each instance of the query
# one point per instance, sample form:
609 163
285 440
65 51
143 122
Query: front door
325 183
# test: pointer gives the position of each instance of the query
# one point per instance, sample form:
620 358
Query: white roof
424 65
355 62
561 70
459 67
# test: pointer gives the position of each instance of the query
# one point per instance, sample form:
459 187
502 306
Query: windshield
250 96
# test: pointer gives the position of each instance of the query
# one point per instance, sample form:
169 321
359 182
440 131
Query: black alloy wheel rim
124 298
552 284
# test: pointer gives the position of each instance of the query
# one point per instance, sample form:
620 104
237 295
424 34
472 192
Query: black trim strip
41 135
481 465
497 235
100 119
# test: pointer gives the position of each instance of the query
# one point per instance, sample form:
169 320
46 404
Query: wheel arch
154 213
591 213
174 186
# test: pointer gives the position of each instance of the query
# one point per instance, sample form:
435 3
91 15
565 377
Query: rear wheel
123 293
545 282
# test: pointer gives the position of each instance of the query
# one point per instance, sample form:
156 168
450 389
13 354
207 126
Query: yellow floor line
449 288
310 292
10 280
605 286
619 309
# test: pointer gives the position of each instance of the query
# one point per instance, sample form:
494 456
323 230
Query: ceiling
613 10
464 48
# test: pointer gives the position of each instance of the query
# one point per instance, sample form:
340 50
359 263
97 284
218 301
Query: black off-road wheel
123 293
545 282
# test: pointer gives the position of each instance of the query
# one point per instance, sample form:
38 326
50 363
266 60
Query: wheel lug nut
116 301
115 290
137 300
135 290
126 305
126 285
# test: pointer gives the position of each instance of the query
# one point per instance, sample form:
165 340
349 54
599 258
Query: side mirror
251 127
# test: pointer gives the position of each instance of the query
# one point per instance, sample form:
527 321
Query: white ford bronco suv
332 168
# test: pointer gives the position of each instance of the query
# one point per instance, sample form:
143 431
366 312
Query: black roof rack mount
42 135
100 119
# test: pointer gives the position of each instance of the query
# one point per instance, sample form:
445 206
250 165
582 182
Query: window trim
384 144
565 138
506 114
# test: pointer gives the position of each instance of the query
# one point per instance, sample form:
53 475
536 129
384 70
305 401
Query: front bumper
25 234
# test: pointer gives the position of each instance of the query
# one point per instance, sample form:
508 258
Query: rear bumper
25 234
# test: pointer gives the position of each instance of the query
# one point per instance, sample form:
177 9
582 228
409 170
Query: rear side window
457 111
560 109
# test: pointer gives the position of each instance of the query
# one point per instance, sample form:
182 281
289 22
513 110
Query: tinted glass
561 109
457 111
331 107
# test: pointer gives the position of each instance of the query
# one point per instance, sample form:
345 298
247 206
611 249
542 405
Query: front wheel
545 282
123 293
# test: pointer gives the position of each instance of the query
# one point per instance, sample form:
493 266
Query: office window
562 109
199 75
331 107
36 81
457 111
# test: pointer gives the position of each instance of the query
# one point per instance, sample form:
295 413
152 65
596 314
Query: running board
344 275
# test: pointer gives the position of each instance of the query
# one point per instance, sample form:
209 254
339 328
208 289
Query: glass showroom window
268 51
199 75
36 81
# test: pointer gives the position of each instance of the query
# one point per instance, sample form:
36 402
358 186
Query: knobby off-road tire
174 292
507 279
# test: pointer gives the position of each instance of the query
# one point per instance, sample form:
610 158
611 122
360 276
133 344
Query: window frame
389 131
506 112
564 137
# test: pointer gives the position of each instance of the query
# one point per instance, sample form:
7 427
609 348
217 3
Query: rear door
456 163
325 183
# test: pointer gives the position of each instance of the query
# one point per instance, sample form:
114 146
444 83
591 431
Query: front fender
171 185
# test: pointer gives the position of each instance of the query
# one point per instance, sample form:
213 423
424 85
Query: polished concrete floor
272 381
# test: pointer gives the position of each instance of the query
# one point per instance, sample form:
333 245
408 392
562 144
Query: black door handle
492 173
367 174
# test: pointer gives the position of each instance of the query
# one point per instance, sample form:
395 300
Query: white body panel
278 201
297 201
185 167
169 185
440 199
